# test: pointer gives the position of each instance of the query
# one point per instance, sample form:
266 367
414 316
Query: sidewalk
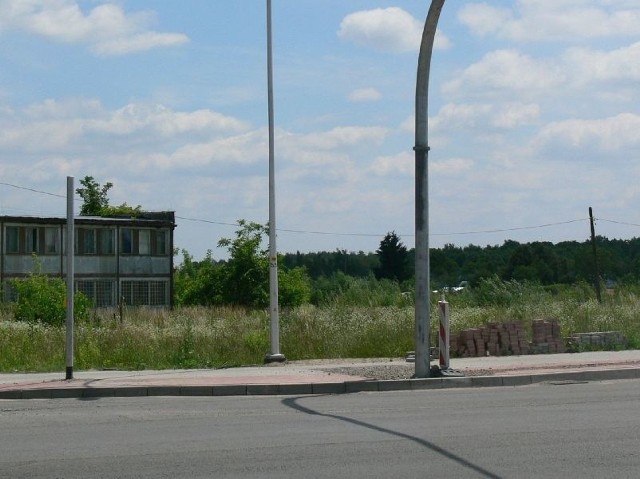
320 377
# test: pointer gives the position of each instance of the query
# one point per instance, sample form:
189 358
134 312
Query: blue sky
534 116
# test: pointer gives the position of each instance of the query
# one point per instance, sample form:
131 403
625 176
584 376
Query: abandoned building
118 260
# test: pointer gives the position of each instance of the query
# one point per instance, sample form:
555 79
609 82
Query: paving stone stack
546 337
599 340
495 339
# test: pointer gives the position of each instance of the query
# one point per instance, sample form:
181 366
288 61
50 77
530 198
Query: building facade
118 260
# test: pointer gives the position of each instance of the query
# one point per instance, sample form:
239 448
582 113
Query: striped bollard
443 345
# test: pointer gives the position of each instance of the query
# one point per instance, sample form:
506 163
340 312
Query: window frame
11 240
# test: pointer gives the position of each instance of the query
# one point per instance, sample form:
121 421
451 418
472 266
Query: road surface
564 429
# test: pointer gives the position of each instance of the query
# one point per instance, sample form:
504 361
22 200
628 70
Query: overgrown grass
222 337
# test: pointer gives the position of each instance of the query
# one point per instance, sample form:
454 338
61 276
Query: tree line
546 263
319 277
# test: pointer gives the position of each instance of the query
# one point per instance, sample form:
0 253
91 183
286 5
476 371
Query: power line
459 233
617 222
282 230
198 220
333 233
32 190
505 230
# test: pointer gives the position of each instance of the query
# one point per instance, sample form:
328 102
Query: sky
534 116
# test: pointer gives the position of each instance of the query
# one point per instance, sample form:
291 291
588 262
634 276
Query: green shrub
41 298
294 287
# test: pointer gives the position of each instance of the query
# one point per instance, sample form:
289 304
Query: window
51 242
126 241
144 242
158 293
86 241
26 240
9 293
106 241
101 292
12 239
145 293
31 240
162 245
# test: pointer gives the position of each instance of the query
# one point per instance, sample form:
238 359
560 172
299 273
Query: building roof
157 219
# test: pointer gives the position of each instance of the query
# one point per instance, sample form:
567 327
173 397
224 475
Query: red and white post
443 344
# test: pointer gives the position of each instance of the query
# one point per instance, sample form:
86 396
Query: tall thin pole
275 355
70 277
596 270
423 288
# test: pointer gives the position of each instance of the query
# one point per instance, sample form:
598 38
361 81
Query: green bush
41 298
294 287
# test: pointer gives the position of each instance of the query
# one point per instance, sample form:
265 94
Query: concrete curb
320 388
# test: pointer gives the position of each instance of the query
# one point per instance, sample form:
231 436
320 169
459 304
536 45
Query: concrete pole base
274 358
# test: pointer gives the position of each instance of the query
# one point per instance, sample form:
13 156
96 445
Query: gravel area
393 371
375 368
376 371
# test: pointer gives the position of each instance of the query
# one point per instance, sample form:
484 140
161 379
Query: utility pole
274 355
70 277
596 271
423 288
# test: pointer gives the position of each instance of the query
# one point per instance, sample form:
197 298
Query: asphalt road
585 430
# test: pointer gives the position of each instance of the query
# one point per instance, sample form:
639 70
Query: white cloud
451 166
507 70
364 95
615 133
484 19
538 20
235 149
343 137
138 43
386 29
458 115
52 125
402 163
107 29
516 114
622 64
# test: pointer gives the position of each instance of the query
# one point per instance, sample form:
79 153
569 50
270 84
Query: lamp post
70 238
274 355
423 289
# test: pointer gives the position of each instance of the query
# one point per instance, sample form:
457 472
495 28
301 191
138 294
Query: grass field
221 337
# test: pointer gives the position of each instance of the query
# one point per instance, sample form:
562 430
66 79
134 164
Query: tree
96 200
393 258
198 282
246 272
95 197
245 276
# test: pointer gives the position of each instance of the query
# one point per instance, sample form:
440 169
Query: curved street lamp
423 289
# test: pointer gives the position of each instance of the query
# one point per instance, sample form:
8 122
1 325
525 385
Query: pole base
69 374
274 358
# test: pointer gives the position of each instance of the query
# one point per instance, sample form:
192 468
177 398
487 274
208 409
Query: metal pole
275 355
443 346
422 307
596 271
70 276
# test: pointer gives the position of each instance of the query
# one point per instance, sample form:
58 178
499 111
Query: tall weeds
381 325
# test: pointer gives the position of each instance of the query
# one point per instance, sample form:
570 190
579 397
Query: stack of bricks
513 338
469 343
546 337
599 340
494 339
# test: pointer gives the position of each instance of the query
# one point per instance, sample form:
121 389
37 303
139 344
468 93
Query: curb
321 388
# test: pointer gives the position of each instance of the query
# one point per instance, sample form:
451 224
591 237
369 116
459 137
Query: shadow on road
294 404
